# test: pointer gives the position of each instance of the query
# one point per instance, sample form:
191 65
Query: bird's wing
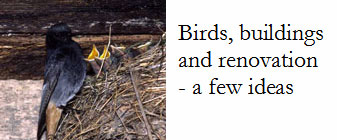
52 73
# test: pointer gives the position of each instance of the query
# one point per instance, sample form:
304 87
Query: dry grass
107 107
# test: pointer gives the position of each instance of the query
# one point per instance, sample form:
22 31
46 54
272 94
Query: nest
128 102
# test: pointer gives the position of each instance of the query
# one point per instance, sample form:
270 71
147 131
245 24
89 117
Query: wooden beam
86 17
23 57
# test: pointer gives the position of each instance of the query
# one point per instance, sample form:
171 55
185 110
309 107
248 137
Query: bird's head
58 33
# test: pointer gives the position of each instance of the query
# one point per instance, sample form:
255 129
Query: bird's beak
91 59
94 53
105 55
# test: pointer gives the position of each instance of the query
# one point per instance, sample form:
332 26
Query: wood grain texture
83 16
23 57
23 24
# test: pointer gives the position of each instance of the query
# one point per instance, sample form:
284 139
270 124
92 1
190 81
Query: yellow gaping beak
106 53
91 59
104 57
94 53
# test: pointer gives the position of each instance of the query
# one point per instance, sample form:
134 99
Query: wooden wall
84 16
23 24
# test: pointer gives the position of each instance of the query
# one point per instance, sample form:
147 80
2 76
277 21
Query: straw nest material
127 102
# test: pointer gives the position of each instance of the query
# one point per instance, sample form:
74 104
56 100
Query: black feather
65 71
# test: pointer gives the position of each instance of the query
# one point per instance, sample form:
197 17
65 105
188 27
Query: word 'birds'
64 74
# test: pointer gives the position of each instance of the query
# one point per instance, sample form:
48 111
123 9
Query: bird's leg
53 115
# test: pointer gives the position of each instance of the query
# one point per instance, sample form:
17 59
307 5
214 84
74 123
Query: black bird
64 74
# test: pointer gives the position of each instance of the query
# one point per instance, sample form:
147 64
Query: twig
126 129
79 121
158 136
71 132
105 103
160 28
162 57
86 131
148 128
99 72
158 97
62 122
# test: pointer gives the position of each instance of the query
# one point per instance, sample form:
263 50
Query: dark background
23 25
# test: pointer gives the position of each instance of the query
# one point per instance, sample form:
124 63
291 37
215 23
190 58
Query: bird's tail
41 125
48 89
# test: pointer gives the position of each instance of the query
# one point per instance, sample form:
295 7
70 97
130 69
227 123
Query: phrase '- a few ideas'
262 87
